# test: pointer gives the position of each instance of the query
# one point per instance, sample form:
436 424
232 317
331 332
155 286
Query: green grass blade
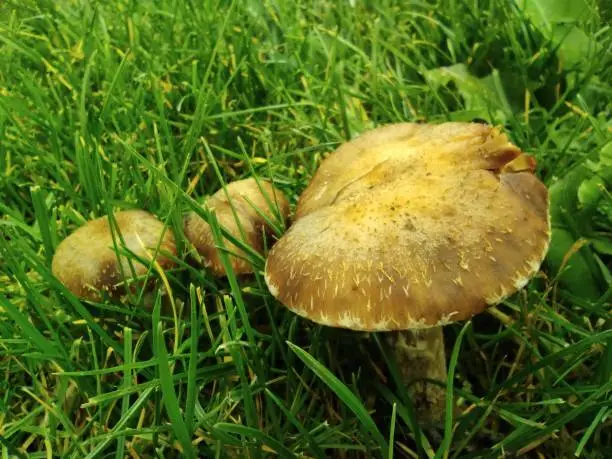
392 431
127 383
445 448
129 414
193 361
45 346
316 450
42 219
167 386
249 432
344 394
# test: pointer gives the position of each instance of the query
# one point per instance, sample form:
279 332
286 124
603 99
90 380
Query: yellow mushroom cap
412 226
251 200
86 261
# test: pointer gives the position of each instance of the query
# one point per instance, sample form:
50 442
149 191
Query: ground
122 104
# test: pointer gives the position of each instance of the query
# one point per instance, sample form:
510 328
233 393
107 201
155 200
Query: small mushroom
408 228
87 263
255 203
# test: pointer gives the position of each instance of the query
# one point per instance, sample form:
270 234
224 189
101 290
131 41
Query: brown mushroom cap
86 261
251 205
412 226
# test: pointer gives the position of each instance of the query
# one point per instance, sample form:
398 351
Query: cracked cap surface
86 261
412 226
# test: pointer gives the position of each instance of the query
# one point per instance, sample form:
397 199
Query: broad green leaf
564 195
483 96
544 13
576 275
574 44
605 157
603 244
590 193
558 20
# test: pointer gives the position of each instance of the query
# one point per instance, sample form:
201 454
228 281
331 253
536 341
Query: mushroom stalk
420 356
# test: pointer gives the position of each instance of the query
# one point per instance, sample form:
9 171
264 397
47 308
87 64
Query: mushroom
410 227
257 204
87 263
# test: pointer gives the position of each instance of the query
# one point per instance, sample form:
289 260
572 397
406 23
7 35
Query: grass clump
121 104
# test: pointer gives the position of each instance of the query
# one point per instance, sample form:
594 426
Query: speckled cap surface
412 226
86 261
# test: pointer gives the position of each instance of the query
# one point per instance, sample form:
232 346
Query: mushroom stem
420 355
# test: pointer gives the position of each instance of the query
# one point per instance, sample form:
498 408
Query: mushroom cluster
403 230
408 228
100 257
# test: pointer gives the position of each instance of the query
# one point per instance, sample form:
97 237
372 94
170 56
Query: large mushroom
93 259
408 228
247 209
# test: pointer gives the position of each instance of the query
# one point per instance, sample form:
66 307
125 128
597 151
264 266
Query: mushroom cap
412 226
250 205
86 261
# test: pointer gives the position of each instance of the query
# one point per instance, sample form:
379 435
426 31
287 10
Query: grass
123 104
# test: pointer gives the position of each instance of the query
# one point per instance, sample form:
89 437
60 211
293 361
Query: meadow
118 104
